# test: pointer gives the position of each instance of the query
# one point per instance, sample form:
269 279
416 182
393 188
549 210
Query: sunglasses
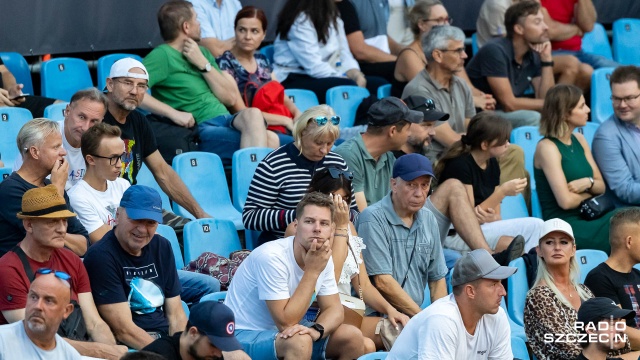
59 274
335 173
322 120
430 105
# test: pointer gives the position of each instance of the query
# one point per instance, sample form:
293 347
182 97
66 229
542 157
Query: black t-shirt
168 346
139 142
11 229
465 169
349 16
622 288
111 271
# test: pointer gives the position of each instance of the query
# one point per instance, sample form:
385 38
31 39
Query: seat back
55 111
104 66
4 173
213 235
168 233
625 36
536 210
601 106
204 176
427 297
185 308
513 207
303 99
218 296
474 43
517 291
268 52
597 42
519 348
145 177
589 131
243 166
588 259
11 121
345 100
384 91
19 67
380 355
62 77
527 138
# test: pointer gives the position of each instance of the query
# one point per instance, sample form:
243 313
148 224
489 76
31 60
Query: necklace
569 290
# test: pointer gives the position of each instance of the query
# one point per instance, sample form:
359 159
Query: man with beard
35 337
209 333
421 135
508 67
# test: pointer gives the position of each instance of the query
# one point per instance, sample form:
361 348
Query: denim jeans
596 61
196 285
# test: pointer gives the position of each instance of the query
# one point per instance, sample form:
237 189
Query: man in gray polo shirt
369 155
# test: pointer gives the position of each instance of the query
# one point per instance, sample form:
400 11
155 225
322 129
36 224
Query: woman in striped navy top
282 178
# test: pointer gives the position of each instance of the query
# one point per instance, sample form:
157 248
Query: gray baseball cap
391 110
479 264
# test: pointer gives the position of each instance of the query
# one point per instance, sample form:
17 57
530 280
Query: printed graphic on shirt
145 296
111 217
128 163
146 272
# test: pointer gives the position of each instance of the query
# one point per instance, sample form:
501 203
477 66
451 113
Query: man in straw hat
469 323
44 217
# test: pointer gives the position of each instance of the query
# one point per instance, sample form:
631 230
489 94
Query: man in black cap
209 334
604 324
369 155
467 324
421 136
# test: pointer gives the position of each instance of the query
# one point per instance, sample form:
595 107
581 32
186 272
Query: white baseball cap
122 68
553 225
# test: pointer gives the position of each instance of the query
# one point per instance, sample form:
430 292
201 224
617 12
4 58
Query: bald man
35 337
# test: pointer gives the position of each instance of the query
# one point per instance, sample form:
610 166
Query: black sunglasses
335 173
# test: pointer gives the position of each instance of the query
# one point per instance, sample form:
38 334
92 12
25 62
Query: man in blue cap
133 273
209 335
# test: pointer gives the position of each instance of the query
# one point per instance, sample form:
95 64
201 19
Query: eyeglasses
441 21
129 85
113 159
59 274
617 100
322 120
460 51
335 173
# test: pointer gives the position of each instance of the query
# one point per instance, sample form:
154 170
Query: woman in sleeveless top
564 169
346 250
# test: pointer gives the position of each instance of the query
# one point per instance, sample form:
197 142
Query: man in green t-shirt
189 88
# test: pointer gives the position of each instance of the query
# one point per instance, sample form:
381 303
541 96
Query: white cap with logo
559 225
122 68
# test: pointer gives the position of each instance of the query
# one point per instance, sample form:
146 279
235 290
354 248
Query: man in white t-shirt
86 109
35 337
469 323
272 289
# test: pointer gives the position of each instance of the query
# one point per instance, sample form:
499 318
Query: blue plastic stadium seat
474 43
527 138
384 91
268 52
11 121
588 259
513 207
185 307
517 291
213 235
589 131
597 42
168 233
4 173
427 297
62 77
145 177
601 106
519 348
243 166
380 355
516 330
104 66
55 111
19 67
536 210
626 33
345 100
303 99
203 174
219 296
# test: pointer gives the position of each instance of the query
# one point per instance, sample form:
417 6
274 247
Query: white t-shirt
77 167
96 208
270 272
15 344
438 333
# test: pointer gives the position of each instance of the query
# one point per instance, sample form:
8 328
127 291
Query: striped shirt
278 185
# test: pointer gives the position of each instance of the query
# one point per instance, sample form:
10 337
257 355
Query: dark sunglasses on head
322 120
335 173
59 274
430 105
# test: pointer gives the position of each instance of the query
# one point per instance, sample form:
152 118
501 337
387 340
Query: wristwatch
546 63
319 328
207 68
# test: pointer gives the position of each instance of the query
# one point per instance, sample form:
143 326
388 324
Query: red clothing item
14 284
563 11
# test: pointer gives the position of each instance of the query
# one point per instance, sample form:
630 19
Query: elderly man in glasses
45 216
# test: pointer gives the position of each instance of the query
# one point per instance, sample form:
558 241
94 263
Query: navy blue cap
391 110
598 308
142 203
217 322
411 166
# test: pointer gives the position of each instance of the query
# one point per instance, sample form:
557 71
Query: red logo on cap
231 327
